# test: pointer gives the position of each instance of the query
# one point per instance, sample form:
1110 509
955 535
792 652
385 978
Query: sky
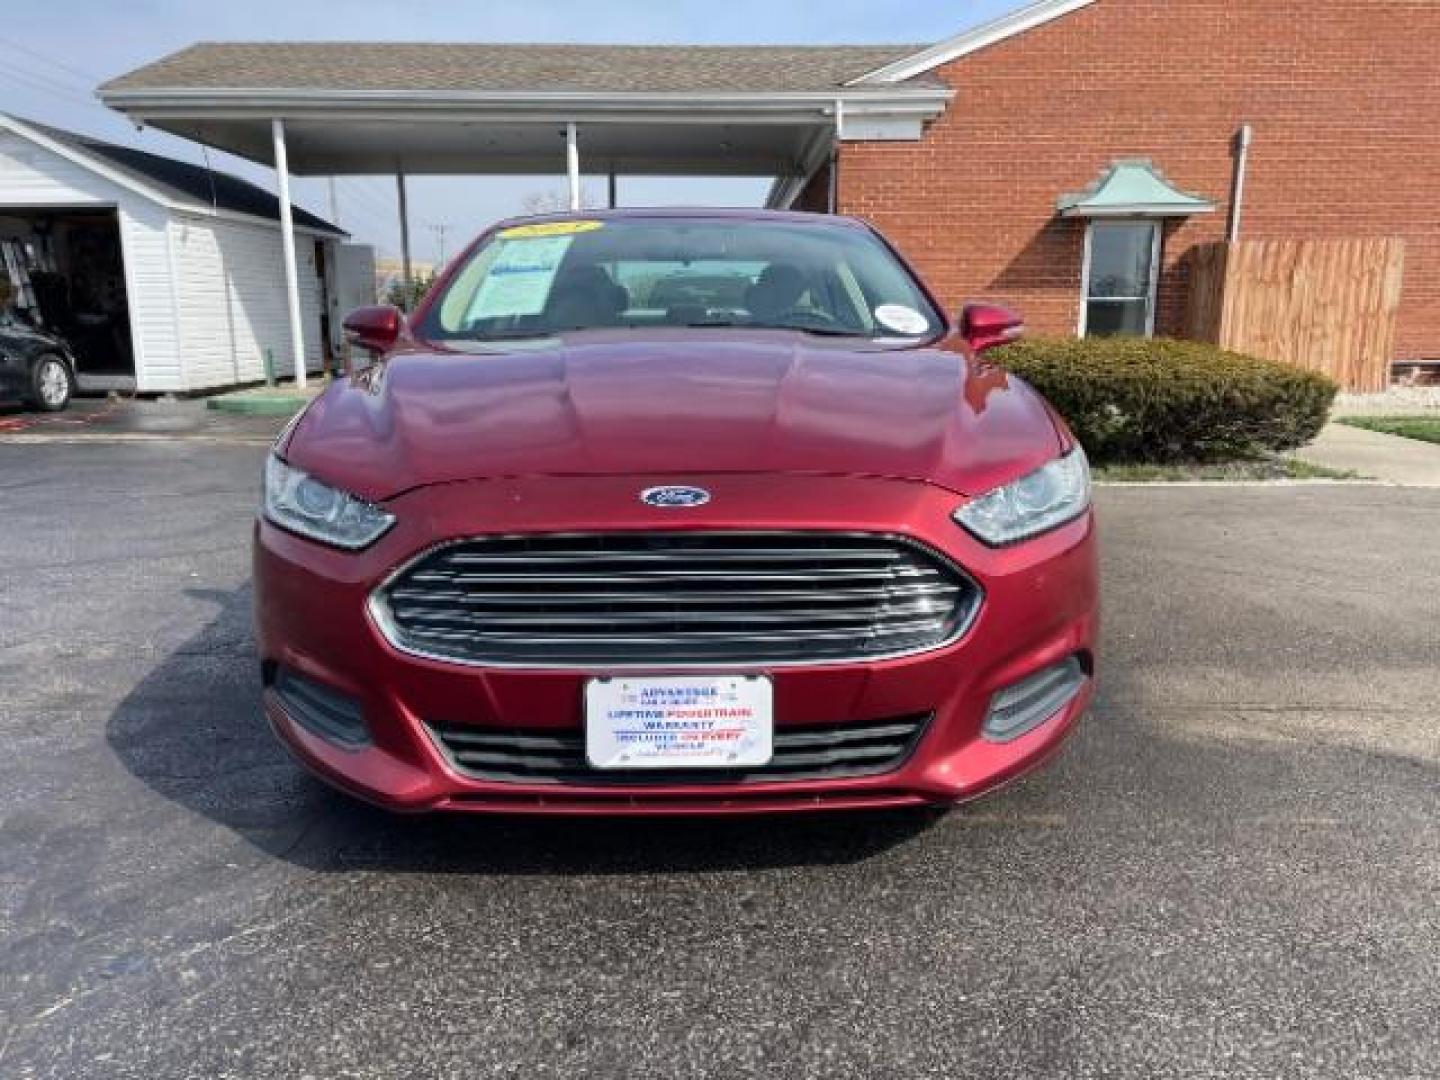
54 53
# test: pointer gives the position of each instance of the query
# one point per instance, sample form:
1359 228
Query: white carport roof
490 108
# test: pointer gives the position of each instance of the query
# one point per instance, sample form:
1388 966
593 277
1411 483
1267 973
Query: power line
47 80
371 202
380 218
380 190
92 80
52 81
359 186
22 78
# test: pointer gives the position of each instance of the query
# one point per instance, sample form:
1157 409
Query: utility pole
404 205
439 230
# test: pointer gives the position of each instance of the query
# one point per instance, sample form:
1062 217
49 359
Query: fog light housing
321 710
1020 708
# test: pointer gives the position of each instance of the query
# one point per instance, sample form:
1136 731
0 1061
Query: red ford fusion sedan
676 512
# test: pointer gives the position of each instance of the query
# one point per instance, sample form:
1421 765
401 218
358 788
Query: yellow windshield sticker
550 228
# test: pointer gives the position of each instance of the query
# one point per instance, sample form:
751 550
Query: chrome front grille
664 599
537 756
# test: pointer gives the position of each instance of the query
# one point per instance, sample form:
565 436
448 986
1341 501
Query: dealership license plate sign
709 722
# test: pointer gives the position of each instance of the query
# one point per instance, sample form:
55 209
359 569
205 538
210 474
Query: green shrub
1140 400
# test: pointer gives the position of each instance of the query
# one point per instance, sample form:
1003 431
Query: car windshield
550 277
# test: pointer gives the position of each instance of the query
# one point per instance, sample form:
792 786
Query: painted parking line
27 421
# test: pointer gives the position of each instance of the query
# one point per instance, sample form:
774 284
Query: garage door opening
66 270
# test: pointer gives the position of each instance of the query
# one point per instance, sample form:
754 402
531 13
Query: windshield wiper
512 335
828 331
818 331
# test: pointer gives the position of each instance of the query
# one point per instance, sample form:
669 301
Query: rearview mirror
984 326
374 328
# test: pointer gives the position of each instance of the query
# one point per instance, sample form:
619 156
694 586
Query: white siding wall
150 290
32 176
231 298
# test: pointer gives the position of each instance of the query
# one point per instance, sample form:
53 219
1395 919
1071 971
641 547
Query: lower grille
321 710
809 753
628 599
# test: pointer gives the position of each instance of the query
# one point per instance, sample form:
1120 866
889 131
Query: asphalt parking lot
1233 871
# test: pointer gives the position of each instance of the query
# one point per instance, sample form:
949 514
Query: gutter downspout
1243 138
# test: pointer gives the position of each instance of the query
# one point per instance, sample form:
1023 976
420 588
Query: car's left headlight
1038 502
295 500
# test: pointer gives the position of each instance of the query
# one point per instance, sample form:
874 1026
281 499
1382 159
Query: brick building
1343 97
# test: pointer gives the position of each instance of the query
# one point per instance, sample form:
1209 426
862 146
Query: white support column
287 238
572 164
404 232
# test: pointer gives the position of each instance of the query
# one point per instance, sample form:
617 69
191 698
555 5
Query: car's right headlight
295 500
1038 502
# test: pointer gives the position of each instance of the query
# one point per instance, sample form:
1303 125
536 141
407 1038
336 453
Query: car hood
674 406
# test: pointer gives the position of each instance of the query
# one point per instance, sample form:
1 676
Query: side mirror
984 326
374 328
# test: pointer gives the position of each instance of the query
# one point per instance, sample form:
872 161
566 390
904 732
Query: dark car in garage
36 367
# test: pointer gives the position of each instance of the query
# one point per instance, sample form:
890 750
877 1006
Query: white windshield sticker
901 319
519 281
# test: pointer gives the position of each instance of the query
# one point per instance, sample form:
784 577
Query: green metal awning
1132 189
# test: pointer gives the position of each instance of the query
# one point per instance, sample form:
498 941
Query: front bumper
311 617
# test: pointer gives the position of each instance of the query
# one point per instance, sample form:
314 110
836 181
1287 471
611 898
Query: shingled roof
180 180
481 68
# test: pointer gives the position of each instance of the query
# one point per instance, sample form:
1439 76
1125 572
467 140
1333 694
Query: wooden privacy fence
1326 305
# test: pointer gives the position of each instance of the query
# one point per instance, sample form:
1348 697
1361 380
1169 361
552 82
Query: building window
1122 263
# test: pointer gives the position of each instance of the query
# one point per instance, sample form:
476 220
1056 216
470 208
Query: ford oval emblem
674 498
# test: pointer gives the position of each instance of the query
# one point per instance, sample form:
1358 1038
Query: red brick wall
1344 96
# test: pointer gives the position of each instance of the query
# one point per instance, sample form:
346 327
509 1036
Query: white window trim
1151 300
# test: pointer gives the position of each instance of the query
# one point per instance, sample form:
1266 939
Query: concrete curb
278 404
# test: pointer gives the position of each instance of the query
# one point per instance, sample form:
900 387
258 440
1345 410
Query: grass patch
1424 428
1278 468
